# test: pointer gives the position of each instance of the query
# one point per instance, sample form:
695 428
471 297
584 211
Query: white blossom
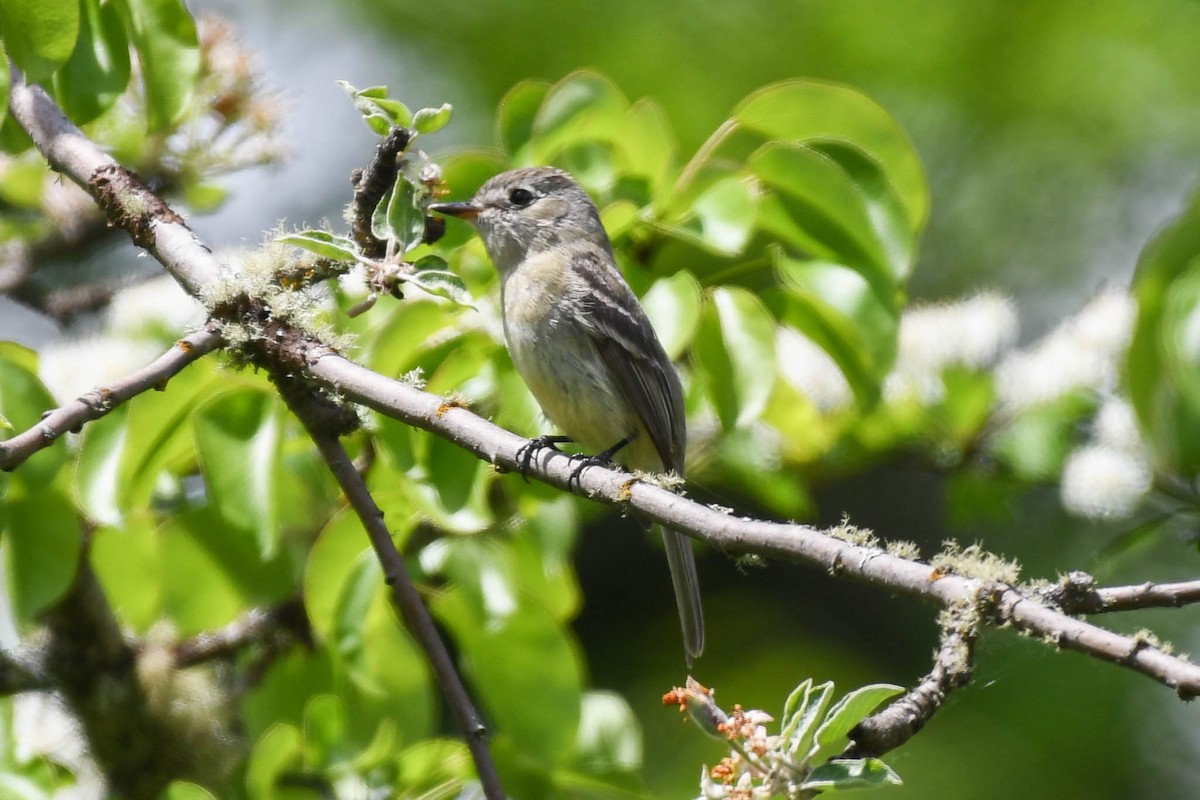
971 333
1100 482
1081 353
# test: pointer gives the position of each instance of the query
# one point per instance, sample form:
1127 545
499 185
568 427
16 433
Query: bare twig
407 600
100 401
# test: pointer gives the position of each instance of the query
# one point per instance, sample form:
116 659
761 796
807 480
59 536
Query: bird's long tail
687 591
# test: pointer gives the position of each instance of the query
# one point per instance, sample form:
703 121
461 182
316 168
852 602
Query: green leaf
514 119
204 196
582 107
431 120
452 489
851 710
128 564
722 217
844 315
379 112
541 557
164 36
804 111
610 736
5 90
816 207
526 654
441 283
23 400
199 591
735 348
322 243
330 564
650 148
1035 443
884 206
804 710
398 346
98 71
39 35
437 768
348 606
182 790
158 434
673 305
1162 394
41 543
857 773
98 470
404 220
324 728
238 439
275 752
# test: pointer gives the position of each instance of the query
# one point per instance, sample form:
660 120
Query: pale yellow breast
553 352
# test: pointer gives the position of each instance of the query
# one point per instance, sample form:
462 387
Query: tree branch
1077 593
904 718
100 401
800 543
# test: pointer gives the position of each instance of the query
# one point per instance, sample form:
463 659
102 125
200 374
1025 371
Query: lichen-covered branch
1077 593
904 718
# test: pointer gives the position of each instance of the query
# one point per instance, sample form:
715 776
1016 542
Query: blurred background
1057 136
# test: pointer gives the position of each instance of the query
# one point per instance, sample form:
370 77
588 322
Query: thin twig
100 401
1149 595
1077 593
407 600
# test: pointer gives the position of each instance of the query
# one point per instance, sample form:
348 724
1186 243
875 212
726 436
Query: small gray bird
581 341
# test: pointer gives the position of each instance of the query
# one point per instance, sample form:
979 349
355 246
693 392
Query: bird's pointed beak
467 211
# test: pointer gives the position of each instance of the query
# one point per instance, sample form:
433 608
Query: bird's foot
601 459
529 449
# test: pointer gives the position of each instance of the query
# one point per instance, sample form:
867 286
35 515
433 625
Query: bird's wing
634 356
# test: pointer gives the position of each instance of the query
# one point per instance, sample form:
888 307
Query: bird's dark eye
520 197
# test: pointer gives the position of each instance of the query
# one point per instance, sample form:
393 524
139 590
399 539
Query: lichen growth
254 293
902 548
862 537
975 562
1149 638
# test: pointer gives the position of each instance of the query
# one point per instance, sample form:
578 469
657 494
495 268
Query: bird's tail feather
687 591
